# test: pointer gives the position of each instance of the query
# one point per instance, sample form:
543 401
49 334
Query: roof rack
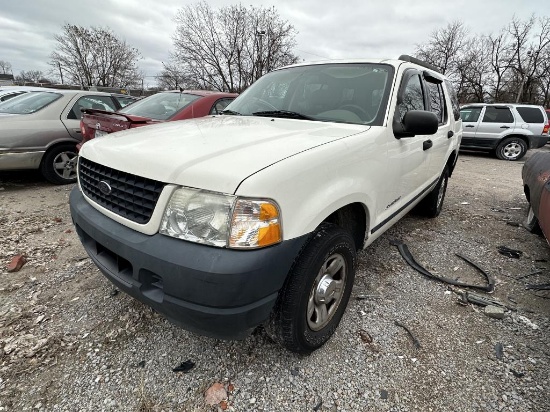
410 59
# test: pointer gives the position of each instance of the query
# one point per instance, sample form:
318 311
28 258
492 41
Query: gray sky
326 29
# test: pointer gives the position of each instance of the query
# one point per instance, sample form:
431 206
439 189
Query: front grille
132 197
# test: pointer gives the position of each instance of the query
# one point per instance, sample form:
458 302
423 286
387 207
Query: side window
91 102
454 99
497 115
531 114
470 115
413 97
437 101
220 105
125 101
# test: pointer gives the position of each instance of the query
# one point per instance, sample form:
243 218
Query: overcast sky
326 29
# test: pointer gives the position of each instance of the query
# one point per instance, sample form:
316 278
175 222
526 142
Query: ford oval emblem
105 187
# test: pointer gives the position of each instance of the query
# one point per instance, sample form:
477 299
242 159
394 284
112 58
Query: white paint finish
213 153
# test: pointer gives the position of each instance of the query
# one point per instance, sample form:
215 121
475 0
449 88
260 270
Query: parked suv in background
225 222
507 129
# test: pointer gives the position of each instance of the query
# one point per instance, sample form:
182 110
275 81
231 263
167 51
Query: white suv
255 216
507 129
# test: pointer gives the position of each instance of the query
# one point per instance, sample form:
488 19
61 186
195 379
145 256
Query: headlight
221 220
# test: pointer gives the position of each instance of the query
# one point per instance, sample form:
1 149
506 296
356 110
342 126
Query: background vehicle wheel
511 148
58 165
432 204
316 292
531 223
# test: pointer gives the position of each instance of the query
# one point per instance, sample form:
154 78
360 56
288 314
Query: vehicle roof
73 92
17 88
201 92
393 62
500 104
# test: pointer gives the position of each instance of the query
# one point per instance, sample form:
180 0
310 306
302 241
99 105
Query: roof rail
410 59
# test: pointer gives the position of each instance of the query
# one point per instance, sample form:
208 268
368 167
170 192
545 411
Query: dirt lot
70 342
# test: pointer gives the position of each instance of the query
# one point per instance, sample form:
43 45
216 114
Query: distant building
6 80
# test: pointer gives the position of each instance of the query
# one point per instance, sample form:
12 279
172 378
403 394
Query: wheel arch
354 218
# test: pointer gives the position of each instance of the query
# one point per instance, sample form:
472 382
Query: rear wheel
316 292
511 148
58 165
432 204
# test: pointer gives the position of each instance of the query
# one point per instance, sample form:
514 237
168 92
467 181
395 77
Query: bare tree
5 67
33 76
95 56
443 47
229 48
172 77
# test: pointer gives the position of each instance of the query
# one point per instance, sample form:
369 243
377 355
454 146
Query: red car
160 107
536 185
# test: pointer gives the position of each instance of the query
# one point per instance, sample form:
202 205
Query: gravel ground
70 342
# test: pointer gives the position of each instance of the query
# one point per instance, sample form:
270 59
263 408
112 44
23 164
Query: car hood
213 153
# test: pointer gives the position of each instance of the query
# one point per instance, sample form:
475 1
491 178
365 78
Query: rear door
495 123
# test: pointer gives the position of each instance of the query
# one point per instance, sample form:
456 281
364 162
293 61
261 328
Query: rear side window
437 101
91 102
531 114
498 115
454 99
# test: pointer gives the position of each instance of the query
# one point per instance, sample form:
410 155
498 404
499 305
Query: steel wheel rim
327 292
512 150
64 165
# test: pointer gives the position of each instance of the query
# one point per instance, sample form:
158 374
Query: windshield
28 103
346 93
160 106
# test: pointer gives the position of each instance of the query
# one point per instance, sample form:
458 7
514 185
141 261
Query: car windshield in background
160 106
345 93
28 103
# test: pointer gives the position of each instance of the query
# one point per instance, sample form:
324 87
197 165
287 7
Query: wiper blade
226 111
284 114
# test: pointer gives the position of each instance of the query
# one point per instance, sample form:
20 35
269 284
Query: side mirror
416 122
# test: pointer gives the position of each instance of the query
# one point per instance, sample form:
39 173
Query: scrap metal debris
184 367
415 341
17 263
407 255
543 286
511 253
499 350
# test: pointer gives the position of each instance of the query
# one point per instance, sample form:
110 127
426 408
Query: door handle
469 125
450 134
504 127
427 144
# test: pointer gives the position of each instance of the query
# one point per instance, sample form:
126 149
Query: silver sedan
40 130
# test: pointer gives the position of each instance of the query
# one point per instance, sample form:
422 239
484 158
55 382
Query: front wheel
316 292
511 148
58 165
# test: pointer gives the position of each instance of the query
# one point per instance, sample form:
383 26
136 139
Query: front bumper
222 293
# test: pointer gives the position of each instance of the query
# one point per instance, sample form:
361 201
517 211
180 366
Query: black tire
432 204
58 165
293 322
531 223
511 148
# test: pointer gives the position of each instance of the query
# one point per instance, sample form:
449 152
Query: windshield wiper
284 114
226 111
